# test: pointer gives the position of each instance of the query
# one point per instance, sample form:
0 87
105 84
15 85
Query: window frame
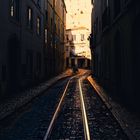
14 9
38 25
29 21
82 37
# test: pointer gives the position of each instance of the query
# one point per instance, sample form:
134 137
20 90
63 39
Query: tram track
84 114
76 116
70 110
56 112
82 107
37 115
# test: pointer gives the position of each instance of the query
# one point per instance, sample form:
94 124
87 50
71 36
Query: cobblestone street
36 109
69 70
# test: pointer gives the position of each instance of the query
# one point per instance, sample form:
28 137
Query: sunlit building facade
78 28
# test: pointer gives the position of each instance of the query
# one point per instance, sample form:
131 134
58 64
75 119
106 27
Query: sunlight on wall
78 27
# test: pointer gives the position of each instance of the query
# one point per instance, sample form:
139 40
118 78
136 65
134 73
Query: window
81 12
82 37
74 37
51 24
14 9
46 16
54 27
67 38
38 26
29 18
51 37
59 27
62 27
46 35
107 3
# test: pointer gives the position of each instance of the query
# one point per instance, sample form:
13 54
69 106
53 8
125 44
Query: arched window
29 18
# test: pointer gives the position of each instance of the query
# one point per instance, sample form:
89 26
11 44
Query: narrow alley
58 114
69 70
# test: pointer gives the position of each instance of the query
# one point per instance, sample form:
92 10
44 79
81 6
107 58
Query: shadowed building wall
21 44
55 25
116 47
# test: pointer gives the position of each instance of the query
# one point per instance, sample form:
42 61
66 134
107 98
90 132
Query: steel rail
84 114
56 112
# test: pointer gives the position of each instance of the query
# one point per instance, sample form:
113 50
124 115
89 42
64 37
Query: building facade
78 29
77 47
32 42
116 47
21 43
55 26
